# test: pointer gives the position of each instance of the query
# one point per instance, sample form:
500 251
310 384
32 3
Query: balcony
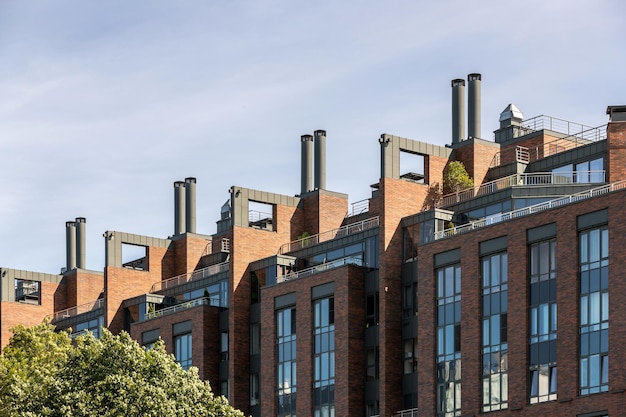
350 260
191 276
343 231
75 311
557 202
180 307
533 179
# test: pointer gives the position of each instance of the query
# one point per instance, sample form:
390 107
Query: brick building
411 299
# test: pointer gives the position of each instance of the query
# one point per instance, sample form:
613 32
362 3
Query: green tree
44 373
456 178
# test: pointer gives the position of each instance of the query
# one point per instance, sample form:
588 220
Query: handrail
224 247
343 231
349 260
360 206
190 276
559 125
76 310
581 137
409 412
536 208
205 301
530 179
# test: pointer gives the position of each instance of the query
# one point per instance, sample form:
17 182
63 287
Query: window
182 350
372 364
93 326
27 291
495 332
542 322
255 338
224 345
324 357
286 361
410 356
410 300
371 310
594 310
449 341
254 389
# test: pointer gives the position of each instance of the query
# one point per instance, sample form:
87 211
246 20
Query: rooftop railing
191 276
412 412
562 126
359 207
349 260
577 135
531 179
536 208
343 231
224 246
75 311
206 301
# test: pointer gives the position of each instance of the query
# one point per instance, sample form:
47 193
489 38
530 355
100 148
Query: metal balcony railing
359 207
206 301
191 276
343 231
224 247
577 135
410 412
557 202
349 260
74 311
532 179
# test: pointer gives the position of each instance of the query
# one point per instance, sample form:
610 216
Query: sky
104 104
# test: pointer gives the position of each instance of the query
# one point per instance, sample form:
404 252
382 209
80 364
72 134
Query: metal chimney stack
306 164
473 106
81 242
320 159
458 110
179 207
190 204
70 245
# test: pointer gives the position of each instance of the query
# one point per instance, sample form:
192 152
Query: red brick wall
205 332
349 341
83 287
568 403
476 158
399 198
14 313
616 161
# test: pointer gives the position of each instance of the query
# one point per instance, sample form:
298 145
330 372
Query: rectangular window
286 361
324 357
449 341
495 332
594 310
542 322
27 291
182 350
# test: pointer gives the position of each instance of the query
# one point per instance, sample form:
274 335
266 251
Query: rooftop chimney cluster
185 206
75 239
313 159
473 108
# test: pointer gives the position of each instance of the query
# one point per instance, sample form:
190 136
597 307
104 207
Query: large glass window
449 341
286 361
182 350
324 357
594 310
495 332
542 322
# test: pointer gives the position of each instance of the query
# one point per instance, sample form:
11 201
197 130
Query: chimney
179 207
473 106
320 159
190 204
70 245
306 164
458 110
81 244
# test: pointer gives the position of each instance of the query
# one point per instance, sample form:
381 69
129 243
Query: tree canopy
456 178
45 373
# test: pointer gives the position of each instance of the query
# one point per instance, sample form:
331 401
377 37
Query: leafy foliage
44 373
456 178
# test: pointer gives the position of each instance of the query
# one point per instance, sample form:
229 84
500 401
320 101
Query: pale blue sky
104 104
